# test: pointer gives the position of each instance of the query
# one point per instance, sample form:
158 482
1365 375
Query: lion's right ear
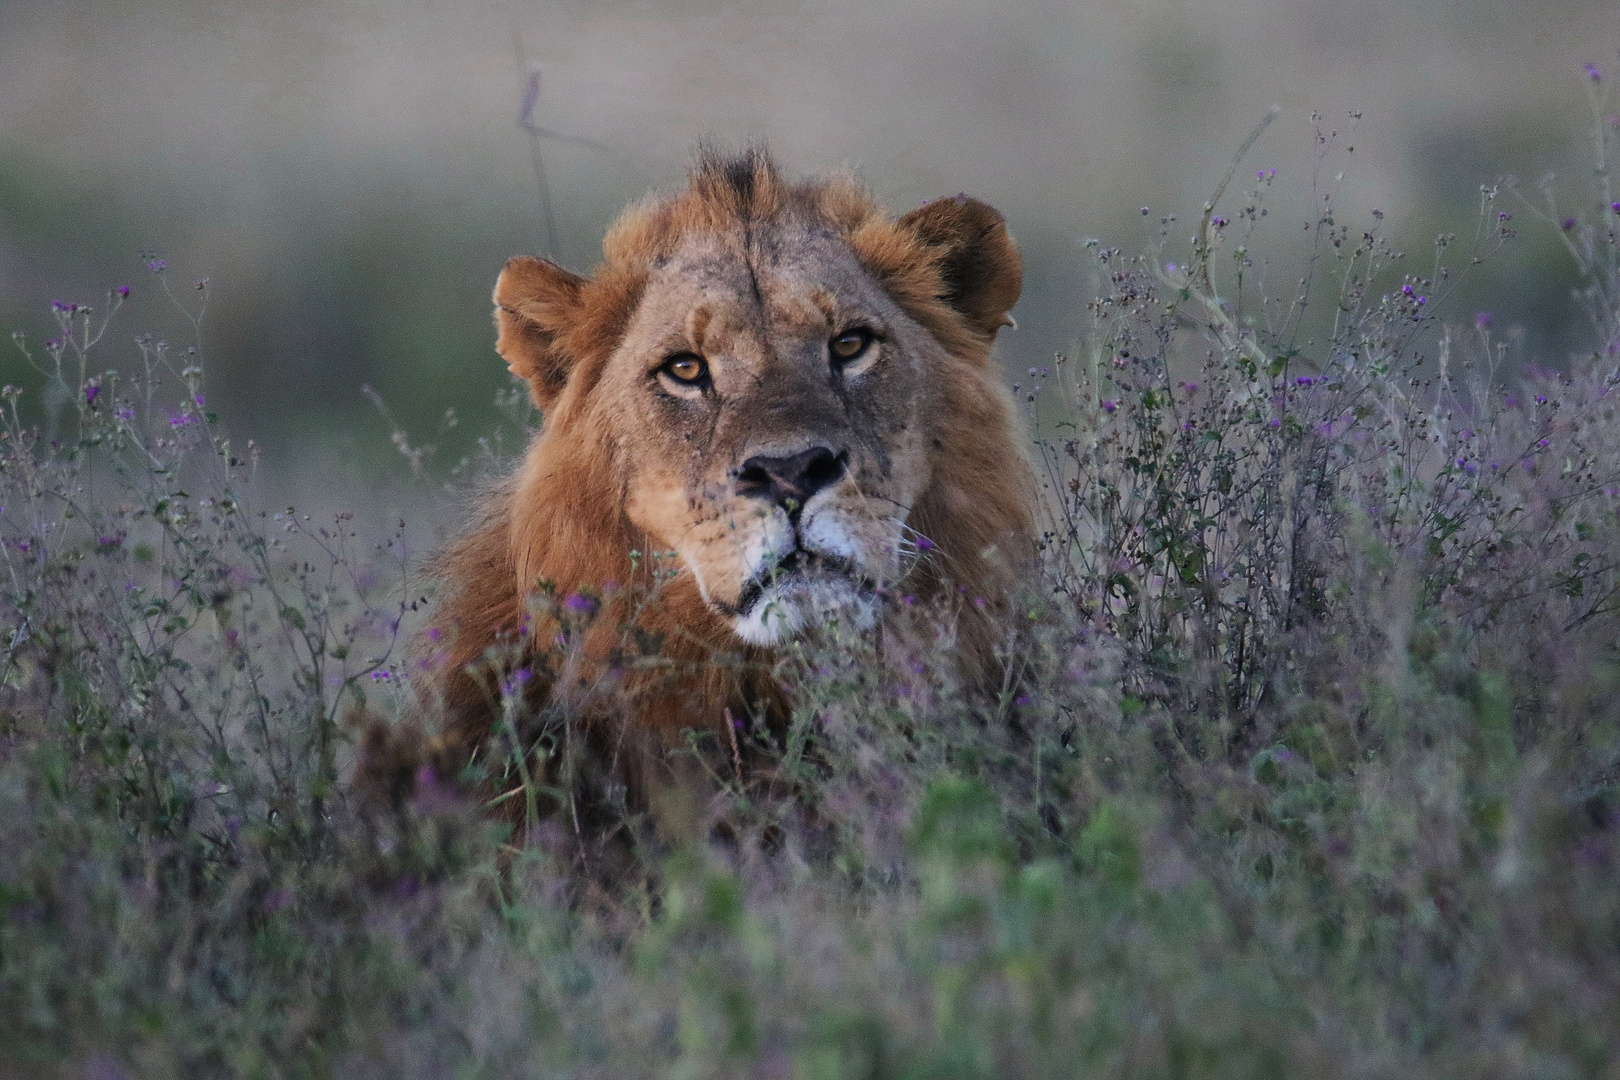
535 302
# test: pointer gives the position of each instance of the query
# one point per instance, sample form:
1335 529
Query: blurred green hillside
350 177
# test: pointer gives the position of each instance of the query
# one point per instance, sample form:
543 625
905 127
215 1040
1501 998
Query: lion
784 390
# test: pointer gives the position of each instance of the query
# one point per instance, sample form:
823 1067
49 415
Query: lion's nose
789 482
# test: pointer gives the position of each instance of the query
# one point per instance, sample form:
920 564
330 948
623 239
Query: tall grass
1307 759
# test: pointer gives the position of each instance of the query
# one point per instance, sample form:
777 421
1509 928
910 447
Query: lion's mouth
798 565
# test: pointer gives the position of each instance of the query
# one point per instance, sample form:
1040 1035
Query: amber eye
686 368
850 345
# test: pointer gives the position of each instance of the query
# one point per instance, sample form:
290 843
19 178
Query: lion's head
779 383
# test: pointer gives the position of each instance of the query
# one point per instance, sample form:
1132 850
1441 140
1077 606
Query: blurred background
350 176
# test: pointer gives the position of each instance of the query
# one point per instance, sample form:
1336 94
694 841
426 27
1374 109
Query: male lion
782 386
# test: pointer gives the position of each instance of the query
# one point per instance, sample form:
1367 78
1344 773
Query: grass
1308 759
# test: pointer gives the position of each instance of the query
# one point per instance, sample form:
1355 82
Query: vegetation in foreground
1308 759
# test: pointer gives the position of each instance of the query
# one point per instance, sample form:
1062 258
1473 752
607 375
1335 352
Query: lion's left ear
978 261
535 302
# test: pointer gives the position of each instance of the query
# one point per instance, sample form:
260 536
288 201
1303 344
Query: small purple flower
62 306
925 544
1422 300
1594 73
1482 320
434 633
232 636
199 400
184 419
1304 380
1022 700
1218 222
124 412
1510 401
1568 223
585 605
1275 423
157 266
1407 289
1542 443
123 291
1541 399
1110 406
92 390
513 683
1170 268
1190 386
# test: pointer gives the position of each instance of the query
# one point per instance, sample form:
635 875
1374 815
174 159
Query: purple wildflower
585 605
1482 320
1541 399
1594 72
92 390
1304 380
157 266
1110 406
925 544
123 291
124 412
1568 223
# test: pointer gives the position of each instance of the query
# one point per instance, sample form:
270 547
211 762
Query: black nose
789 482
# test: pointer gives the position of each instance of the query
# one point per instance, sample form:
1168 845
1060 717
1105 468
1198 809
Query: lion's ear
535 302
978 261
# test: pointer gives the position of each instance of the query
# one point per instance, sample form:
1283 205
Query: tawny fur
561 520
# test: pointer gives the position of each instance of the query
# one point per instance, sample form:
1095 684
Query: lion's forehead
793 280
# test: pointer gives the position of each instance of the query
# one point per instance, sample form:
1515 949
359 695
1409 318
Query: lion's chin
791 605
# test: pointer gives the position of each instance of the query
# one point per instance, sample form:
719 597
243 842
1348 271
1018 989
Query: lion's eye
850 345
688 368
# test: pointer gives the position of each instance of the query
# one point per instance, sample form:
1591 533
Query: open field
1307 762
